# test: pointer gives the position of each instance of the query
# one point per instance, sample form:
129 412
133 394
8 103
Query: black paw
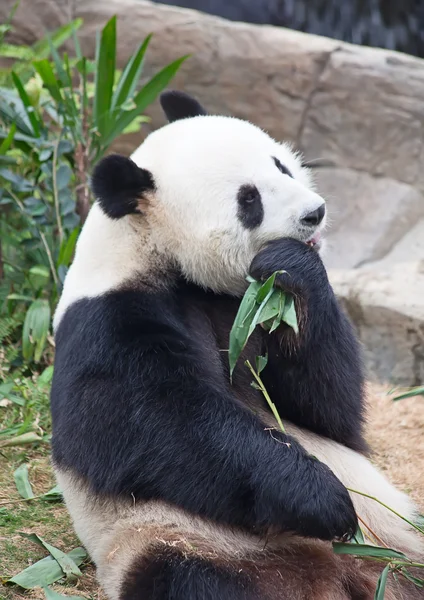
324 510
310 501
304 270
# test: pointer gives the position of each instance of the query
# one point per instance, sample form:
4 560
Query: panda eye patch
284 170
250 209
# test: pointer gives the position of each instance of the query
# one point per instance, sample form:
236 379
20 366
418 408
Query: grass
49 520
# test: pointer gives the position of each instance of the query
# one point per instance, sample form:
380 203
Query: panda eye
284 170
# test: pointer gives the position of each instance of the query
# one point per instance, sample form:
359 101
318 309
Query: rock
387 309
410 247
368 215
366 113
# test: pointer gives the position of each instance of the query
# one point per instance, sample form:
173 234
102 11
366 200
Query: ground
395 431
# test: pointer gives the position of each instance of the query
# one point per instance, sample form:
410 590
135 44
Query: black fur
119 184
167 574
316 380
281 167
142 405
250 210
178 105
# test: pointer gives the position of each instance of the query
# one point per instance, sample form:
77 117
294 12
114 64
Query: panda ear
178 105
119 184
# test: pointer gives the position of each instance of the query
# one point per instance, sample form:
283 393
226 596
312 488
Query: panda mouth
315 241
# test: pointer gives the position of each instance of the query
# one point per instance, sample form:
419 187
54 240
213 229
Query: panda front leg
315 378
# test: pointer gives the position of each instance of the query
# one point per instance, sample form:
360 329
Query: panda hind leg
167 573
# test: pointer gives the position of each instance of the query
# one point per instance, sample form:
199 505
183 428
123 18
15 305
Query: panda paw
325 509
311 502
304 272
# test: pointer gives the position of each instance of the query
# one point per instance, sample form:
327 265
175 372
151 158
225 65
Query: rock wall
360 108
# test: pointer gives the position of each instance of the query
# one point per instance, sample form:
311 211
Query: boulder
386 306
367 215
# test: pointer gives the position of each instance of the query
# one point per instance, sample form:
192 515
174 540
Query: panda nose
315 217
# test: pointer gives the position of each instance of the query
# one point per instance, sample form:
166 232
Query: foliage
264 305
58 115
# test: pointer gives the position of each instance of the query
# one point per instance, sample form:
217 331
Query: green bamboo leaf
13 51
130 76
242 322
35 329
257 316
261 363
22 482
105 71
281 307
69 567
142 100
53 495
381 584
45 70
272 308
42 48
45 571
46 376
415 580
358 538
60 71
7 142
32 115
12 111
418 391
52 595
67 248
367 550
266 288
289 315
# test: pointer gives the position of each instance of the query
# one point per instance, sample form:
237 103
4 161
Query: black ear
178 105
118 184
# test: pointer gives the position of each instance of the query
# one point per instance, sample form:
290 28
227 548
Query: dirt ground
395 431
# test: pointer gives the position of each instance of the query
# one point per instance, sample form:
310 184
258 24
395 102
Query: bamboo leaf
289 315
142 100
418 391
66 563
42 48
130 76
53 495
35 329
7 142
45 70
242 322
367 550
415 580
67 248
45 571
381 584
105 71
29 109
22 482
358 538
261 363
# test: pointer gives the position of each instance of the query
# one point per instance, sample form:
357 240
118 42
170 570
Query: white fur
198 166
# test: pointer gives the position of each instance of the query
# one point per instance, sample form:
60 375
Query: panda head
200 196
211 191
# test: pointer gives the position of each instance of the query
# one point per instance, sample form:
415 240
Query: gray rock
368 215
409 248
387 309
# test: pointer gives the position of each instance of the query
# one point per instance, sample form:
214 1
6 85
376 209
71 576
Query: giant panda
179 483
